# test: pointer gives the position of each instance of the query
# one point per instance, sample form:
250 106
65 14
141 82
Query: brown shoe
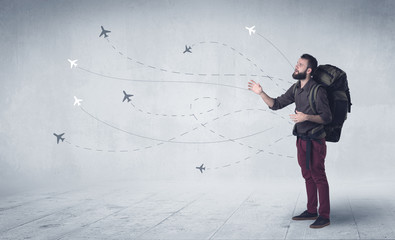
320 222
306 216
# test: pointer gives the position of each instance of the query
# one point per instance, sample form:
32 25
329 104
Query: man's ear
308 71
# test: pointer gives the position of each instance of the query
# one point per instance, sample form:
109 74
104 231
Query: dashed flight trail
195 116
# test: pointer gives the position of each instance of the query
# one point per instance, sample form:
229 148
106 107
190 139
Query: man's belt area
316 134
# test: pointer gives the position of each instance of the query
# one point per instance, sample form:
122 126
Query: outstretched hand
255 87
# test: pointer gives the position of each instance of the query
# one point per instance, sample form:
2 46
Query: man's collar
308 83
307 86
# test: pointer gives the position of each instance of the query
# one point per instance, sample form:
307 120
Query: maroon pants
315 177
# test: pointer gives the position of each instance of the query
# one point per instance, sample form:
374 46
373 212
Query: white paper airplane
251 29
72 63
77 101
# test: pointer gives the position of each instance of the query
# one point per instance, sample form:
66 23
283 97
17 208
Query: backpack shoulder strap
318 132
313 97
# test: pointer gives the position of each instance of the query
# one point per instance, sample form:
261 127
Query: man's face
300 69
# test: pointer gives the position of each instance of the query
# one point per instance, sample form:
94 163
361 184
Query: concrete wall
143 55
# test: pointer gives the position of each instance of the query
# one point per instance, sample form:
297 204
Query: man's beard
299 75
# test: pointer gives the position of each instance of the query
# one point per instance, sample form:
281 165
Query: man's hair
311 62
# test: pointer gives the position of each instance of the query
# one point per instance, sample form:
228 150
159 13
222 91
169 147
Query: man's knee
319 178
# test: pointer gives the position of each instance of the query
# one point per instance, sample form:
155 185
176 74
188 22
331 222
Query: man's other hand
298 117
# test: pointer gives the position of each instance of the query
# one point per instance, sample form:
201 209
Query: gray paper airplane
187 49
126 97
104 32
59 137
201 168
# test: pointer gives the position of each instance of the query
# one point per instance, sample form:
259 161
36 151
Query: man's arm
301 117
256 88
273 103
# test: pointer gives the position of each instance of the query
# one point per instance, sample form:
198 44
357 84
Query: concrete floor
196 211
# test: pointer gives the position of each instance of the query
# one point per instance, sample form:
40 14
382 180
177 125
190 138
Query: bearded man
311 145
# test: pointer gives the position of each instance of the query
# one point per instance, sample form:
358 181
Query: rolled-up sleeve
284 100
322 105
